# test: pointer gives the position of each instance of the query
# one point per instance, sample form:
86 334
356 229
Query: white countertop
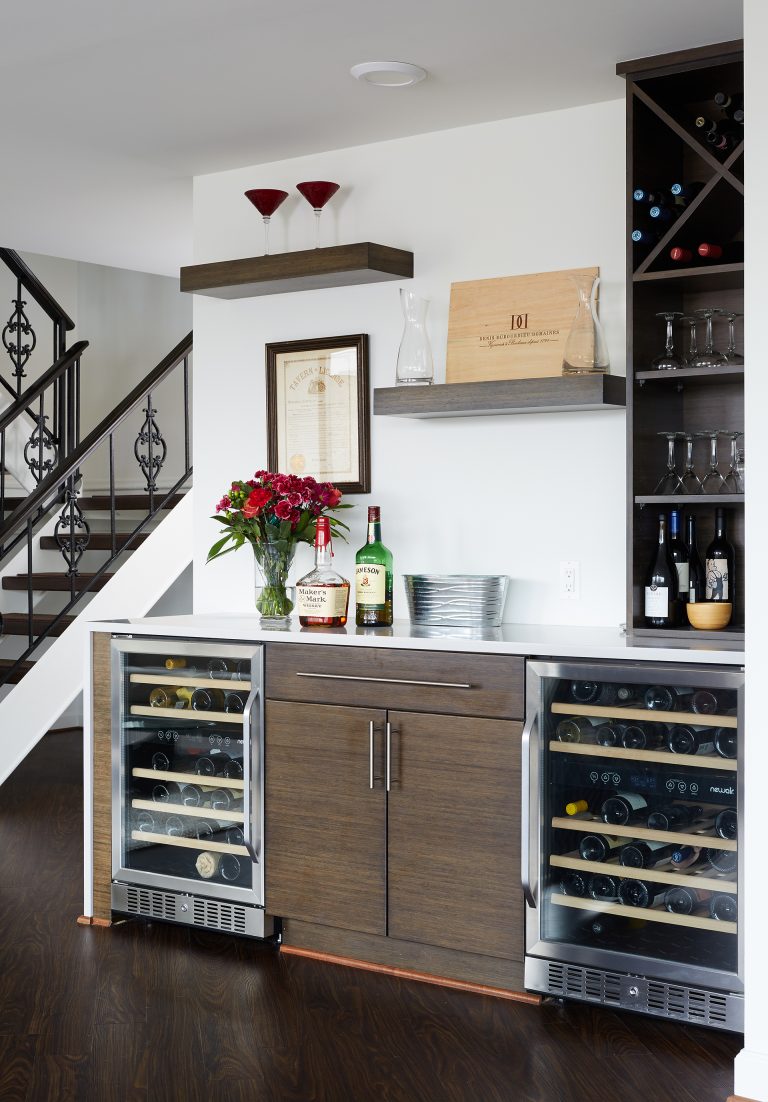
522 639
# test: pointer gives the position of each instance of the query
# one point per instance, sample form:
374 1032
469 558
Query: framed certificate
318 410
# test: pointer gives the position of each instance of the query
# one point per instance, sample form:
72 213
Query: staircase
67 555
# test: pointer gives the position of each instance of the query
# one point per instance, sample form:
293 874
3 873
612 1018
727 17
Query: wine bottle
193 795
207 700
718 568
167 792
645 237
212 765
575 728
174 826
599 847
373 577
235 836
177 663
680 255
224 865
724 908
242 670
725 742
144 822
322 595
160 760
664 216
732 252
225 799
643 736
605 694
640 893
233 769
703 123
202 829
684 739
685 900
686 191
674 817
573 883
661 584
610 734
678 553
219 670
689 857
603 887
623 808
233 703
723 140
722 860
696 586
650 198
727 824
184 696
704 702
665 698
163 696
725 100
646 855
576 807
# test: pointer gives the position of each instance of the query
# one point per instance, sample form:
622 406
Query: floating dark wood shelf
690 499
702 376
559 394
308 270
715 277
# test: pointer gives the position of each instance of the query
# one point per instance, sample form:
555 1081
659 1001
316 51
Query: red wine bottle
646 855
685 900
623 808
645 237
640 893
725 742
724 908
731 252
643 736
661 584
722 860
683 739
727 824
675 817
696 586
680 255
719 579
599 847
678 553
573 883
603 887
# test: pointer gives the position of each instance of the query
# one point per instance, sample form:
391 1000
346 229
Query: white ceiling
108 107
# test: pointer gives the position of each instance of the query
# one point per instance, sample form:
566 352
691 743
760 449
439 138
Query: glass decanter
414 356
586 351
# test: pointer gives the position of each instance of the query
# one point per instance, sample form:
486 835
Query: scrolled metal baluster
150 448
72 532
40 451
16 328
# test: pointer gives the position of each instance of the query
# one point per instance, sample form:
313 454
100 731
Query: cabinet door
325 826
454 833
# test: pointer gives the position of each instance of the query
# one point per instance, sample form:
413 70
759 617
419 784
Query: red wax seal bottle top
322 532
374 513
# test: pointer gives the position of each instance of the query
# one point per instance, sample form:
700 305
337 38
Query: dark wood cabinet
454 833
325 825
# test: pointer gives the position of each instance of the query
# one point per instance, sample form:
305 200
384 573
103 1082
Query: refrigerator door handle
251 733
530 734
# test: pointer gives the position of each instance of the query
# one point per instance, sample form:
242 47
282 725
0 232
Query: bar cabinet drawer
418 681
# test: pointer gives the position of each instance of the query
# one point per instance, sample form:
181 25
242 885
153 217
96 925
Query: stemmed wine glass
317 193
731 355
690 357
668 361
266 200
733 482
710 357
670 482
713 481
690 480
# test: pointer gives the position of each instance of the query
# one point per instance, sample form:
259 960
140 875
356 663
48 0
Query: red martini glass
266 200
317 193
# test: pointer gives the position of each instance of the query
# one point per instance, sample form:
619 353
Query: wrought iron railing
62 486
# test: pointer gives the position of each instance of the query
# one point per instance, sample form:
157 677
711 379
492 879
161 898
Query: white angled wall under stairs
141 580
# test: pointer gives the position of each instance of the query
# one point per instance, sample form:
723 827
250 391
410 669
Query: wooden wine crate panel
674 879
186 713
514 327
102 776
650 715
706 761
184 809
191 682
597 826
649 914
186 778
188 843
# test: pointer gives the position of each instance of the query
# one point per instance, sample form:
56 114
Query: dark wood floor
162 1014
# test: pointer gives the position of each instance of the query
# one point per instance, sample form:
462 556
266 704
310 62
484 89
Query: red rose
295 500
257 499
283 510
329 496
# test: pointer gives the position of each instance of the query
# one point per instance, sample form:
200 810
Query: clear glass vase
275 599
414 357
586 352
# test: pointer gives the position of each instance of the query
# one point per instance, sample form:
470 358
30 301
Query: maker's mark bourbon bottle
322 595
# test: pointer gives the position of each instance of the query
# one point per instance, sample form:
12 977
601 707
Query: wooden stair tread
100 502
57 582
15 678
99 541
17 623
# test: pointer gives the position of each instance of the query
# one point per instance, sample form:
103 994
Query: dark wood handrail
32 393
35 289
51 483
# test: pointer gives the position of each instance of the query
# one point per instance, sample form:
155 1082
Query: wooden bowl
709 615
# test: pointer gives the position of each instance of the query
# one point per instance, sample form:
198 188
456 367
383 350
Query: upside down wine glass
733 482
731 355
668 361
670 482
713 483
710 357
266 200
317 193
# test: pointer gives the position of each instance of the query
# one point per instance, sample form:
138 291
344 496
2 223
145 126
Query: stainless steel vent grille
219 916
150 903
591 984
690 1005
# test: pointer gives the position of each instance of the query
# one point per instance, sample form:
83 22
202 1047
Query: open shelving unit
664 96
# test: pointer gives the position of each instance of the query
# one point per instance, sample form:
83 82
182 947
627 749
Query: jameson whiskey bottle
322 595
373 576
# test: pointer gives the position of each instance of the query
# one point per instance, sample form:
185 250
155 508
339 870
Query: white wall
752 1062
509 495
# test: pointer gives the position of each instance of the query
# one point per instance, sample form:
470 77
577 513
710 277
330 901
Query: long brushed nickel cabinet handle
389 756
386 680
370 754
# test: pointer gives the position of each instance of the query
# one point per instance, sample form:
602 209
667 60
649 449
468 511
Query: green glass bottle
373 577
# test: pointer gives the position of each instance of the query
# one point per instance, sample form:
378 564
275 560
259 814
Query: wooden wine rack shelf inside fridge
664 97
656 876
178 714
646 914
186 778
188 843
219 814
703 761
190 682
588 825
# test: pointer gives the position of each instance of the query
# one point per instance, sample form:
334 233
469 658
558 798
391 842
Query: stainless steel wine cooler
188 783
631 827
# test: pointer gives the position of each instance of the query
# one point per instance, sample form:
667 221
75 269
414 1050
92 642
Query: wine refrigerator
188 783
631 833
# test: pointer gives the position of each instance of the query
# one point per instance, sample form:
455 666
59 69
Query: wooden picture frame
318 410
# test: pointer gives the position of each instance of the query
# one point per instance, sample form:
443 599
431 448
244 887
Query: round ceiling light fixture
388 74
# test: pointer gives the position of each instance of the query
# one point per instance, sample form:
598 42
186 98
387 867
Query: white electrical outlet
569 580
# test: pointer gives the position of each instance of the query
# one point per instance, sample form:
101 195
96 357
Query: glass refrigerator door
638 833
188 806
